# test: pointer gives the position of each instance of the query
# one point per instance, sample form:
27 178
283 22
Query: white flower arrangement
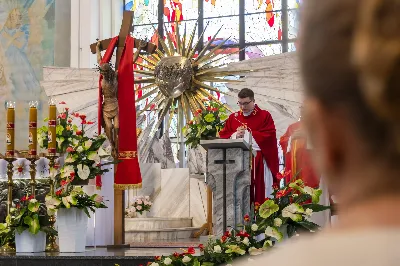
140 205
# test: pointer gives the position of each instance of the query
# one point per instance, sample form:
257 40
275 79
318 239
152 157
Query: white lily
88 144
83 171
94 157
314 193
293 211
274 232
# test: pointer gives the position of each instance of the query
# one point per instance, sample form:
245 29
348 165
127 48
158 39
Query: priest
257 123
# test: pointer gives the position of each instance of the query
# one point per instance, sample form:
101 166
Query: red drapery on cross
128 172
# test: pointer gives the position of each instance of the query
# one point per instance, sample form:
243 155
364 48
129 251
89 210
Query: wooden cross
119 195
126 28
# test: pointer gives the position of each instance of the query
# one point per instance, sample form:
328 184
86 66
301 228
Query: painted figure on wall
26 45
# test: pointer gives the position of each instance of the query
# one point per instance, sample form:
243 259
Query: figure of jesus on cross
117 111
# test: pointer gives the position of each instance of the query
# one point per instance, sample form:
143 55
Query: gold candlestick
9 247
32 142
52 239
32 172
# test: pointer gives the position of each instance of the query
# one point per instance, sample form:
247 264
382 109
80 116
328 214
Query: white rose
309 212
33 201
167 261
154 264
217 249
79 149
189 130
246 241
277 222
254 227
139 201
209 127
186 259
238 238
139 208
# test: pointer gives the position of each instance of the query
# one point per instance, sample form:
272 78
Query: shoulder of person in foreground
347 248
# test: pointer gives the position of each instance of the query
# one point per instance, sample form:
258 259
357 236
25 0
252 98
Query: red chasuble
298 159
262 127
128 171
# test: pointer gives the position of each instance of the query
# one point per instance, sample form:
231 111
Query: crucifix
140 45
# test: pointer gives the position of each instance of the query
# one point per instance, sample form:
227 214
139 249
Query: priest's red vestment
261 125
297 156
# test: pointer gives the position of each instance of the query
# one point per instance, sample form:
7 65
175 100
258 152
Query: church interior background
58 63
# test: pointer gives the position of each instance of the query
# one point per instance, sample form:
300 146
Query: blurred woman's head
350 59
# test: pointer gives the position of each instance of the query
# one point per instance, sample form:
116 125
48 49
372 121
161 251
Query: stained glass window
218 8
293 17
257 6
263 27
145 32
145 11
230 28
177 10
263 50
294 3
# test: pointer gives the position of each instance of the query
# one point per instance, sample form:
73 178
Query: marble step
155 223
147 235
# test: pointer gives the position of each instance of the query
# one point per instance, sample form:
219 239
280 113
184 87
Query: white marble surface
197 160
198 201
155 223
173 200
151 183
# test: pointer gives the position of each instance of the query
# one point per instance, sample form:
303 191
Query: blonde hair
350 60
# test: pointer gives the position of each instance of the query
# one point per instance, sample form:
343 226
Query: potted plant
287 214
29 223
139 207
82 154
73 208
206 124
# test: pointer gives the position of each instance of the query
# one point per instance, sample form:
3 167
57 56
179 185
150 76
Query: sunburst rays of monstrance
176 77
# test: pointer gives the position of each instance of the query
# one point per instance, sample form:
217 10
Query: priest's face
246 104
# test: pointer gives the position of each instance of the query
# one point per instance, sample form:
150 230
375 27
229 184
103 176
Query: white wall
92 19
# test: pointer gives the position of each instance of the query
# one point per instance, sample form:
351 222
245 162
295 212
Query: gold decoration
127 186
51 245
178 79
127 155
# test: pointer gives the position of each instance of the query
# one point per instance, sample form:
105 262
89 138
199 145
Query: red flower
18 205
24 198
79 132
89 123
62 102
63 116
63 182
66 108
246 218
256 206
282 193
209 108
72 175
215 109
199 111
70 149
83 122
190 251
210 97
266 199
275 187
243 234
176 254
31 197
223 238
70 121
157 258
83 117
201 247
191 122
20 169
56 166
227 233
76 114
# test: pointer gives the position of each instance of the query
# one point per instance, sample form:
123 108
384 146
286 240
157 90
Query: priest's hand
240 132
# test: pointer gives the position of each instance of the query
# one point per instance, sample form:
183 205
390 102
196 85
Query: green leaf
33 206
33 223
196 262
86 211
20 229
316 207
207 264
291 230
268 208
302 198
309 225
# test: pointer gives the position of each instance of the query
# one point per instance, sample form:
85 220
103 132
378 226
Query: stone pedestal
228 174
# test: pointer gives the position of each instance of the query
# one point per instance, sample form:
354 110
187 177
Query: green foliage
206 124
28 214
69 196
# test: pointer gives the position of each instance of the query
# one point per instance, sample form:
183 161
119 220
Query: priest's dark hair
246 92
350 61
